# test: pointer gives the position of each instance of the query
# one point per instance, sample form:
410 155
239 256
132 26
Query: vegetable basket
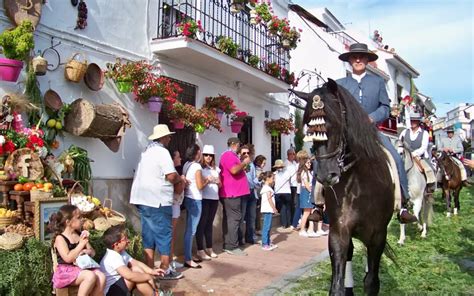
11 241
75 69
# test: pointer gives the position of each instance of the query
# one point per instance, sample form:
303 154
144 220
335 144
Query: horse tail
427 209
390 253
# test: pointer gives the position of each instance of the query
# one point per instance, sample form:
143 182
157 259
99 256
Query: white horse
417 186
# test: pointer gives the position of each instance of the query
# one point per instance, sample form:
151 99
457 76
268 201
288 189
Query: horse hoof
400 242
448 215
455 211
423 235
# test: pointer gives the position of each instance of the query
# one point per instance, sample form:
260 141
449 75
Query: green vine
32 91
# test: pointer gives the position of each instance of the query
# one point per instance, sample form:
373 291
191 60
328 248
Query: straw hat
94 77
159 131
208 149
279 164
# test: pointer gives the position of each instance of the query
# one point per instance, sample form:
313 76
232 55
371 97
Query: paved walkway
260 272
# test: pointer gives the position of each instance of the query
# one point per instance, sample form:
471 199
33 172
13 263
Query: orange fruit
34 188
39 185
18 187
27 186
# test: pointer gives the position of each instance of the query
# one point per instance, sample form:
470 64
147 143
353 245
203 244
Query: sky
434 36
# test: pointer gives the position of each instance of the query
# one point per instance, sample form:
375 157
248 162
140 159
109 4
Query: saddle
425 168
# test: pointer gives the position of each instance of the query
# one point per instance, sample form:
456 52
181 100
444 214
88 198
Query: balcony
202 53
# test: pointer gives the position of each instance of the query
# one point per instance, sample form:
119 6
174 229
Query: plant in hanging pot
126 75
189 28
289 77
290 37
16 46
262 11
206 118
237 5
254 60
276 25
156 90
227 46
238 119
181 114
220 105
273 69
279 126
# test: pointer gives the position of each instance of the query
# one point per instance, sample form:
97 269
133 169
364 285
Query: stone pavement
261 272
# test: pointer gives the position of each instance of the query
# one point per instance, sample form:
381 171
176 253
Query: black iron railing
217 20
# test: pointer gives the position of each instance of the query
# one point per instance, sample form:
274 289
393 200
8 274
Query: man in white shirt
152 193
417 140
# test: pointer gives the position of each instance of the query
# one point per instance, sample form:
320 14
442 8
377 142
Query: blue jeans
267 226
297 214
250 218
193 209
400 167
156 228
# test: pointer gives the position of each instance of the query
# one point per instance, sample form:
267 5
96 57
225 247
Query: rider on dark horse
371 93
417 140
452 145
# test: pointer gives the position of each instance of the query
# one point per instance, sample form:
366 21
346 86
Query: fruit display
20 229
4 213
3 176
83 202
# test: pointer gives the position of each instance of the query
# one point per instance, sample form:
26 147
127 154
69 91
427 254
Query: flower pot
10 69
236 7
178 124
236 126
274 133
154 104
124 86
219 114
286 43
198 128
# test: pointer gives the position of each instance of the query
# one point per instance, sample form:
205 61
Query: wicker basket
116 218
11 241
77 188
75 70
39 194
102 224
5 221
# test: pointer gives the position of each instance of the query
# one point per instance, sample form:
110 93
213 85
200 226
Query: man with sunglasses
234 187
248 203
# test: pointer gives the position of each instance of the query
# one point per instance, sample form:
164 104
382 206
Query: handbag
316 215
86 262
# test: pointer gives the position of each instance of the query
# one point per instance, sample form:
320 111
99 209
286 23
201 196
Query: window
245 135
276 148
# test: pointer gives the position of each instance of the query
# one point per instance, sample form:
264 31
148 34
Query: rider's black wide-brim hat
358 48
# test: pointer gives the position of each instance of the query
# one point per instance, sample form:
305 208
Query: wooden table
5 187
29 208
20 197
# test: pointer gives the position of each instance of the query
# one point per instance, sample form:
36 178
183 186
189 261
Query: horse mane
362 135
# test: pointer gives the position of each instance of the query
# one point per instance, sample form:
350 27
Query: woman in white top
283 192
305 177
210 202
192 200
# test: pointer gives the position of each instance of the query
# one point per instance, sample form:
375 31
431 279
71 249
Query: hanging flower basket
154 104
236 7
286 43
236 126
10 69
274 133
178 124
124 86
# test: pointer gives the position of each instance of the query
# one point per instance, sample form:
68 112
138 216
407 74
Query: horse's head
324 123
405 154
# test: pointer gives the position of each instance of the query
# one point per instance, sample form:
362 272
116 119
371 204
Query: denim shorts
156 228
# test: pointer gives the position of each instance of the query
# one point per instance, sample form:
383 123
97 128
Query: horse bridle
340 150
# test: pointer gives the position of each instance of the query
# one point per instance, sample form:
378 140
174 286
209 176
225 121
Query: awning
427 103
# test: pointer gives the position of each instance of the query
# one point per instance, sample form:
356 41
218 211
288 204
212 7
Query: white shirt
109 264
211 190
150 187
189 170
265 206
292 167
282 183
423 150
306 176
358 78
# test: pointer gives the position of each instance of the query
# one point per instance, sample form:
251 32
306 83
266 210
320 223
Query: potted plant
276 25
189 28
181 114
237 5
254 60
279 126
238 119
261 11
220 104
126 75
227 46
289 77
205 118
156 90
273 69
290 37
16 44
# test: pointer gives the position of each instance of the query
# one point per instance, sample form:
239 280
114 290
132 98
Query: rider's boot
466 183
404 216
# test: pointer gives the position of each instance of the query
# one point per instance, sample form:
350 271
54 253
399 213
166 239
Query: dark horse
451 181
359 191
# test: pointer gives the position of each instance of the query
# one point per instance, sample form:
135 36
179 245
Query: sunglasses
206 155
245 153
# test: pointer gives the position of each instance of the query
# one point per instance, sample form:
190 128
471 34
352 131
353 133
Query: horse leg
416 210
456 201
447 196
338 247
349 278
374 254
401 240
